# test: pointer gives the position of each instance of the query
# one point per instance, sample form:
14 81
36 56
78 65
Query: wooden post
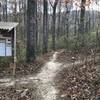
15 59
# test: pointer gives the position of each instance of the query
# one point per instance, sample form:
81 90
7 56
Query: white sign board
5 48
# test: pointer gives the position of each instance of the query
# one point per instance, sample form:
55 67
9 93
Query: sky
95 6
92 6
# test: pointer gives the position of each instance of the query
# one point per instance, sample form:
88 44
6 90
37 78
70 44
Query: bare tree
0 10
31 29
53 28
45 26
5 10
59 19
81 35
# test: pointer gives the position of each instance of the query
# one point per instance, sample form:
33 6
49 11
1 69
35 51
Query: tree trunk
0 10
81 35
15 11
5 10
45 27
53 29
59 21
31 29
67 27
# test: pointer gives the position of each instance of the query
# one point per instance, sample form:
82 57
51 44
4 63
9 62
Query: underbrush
5 60
79 82
23 92
4 65
23 68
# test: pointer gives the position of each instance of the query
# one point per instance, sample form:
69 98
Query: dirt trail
43 80
46 76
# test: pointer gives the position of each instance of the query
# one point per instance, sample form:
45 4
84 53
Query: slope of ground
33 87
73 79
79 80
24 68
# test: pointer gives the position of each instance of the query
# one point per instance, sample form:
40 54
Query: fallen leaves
12 93
24 68
79 82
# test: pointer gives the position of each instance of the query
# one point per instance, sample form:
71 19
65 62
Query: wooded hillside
57 52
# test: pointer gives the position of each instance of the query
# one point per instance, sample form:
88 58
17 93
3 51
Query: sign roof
8 25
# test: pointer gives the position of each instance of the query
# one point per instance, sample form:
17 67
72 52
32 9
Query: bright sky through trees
92 6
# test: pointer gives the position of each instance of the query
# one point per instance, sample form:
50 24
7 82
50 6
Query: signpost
8 42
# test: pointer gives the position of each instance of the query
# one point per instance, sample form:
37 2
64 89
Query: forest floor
64 76
79 78
24 68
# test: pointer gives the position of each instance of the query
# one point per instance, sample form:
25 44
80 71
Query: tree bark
5 10
59 20
81 35
45 27
53 28
31 29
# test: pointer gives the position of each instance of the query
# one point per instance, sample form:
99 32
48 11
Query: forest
49 49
